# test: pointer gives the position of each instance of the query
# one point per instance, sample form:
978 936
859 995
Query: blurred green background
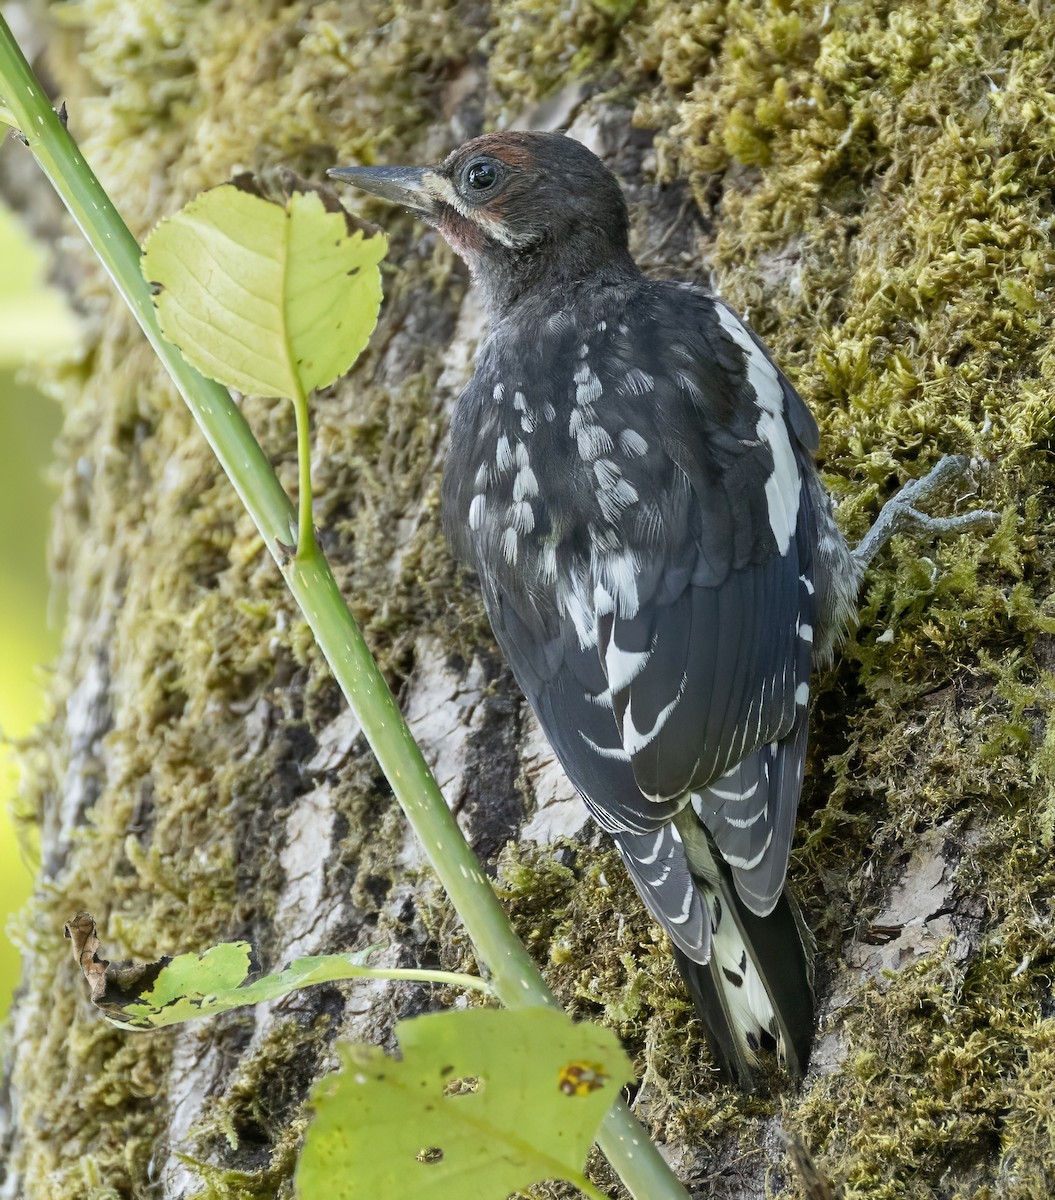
33 324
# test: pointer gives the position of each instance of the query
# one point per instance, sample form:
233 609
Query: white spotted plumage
525 485
632 444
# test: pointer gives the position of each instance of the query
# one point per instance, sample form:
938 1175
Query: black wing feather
707 667
567 689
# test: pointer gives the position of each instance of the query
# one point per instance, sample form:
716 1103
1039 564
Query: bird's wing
708 664
569 694
710 694
702 616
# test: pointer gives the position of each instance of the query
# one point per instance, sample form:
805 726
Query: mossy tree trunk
872 185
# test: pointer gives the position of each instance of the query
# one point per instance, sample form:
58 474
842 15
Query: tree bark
872 186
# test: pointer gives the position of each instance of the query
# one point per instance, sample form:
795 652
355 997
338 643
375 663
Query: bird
632 478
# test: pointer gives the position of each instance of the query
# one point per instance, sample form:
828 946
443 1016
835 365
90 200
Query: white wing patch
622 667
784 484
635 740
614 752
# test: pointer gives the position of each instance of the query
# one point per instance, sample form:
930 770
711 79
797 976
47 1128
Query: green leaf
171 990
200 985
482 1103
271 299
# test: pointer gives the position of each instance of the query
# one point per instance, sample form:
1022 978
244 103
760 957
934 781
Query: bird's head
524 210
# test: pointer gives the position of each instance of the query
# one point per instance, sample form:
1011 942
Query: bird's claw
900 513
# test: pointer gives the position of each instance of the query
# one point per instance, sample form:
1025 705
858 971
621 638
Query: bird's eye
480 175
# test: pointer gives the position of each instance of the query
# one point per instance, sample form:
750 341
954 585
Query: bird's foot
900 513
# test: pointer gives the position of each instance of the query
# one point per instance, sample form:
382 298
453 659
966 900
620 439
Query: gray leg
899 514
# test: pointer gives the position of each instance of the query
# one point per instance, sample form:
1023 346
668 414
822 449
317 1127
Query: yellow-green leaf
170 990
481 1104
271 299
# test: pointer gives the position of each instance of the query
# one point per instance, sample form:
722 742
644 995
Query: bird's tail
750 976
755 992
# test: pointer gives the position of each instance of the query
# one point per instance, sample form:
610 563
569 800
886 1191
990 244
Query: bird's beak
401 185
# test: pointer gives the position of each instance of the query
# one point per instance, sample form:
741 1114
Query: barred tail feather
750 976
755 992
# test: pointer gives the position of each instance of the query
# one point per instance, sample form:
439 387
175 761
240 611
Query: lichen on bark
872 185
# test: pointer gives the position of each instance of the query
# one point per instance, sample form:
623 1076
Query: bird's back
631 478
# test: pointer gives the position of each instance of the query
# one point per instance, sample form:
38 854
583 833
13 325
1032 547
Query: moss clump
256 1126
940 1082
883 217
540 46
876 184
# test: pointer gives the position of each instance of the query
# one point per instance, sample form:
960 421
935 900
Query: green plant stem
515 979
471 983
307 547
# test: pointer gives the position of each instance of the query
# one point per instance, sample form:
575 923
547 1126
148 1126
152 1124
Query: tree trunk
871 185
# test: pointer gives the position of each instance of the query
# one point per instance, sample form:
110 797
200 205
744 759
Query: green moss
95 1136
884 220
539 46
931 1090
876 182
259 1121
174 595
